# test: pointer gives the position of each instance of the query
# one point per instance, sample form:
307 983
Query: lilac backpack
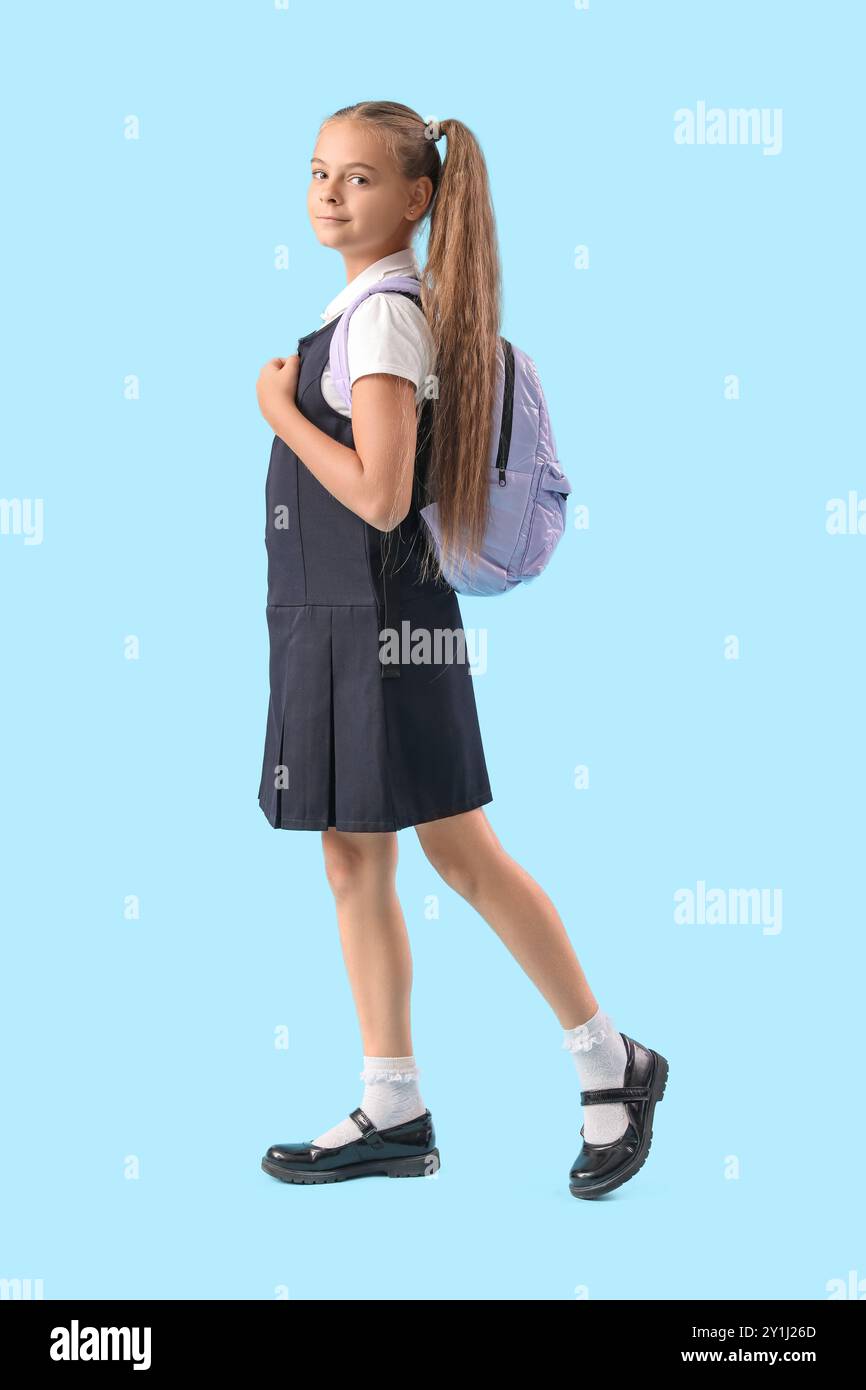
528 489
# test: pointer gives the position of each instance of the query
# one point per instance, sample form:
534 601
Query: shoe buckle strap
613 1094
367 1128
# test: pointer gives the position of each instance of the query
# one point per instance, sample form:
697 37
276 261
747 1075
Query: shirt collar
400 263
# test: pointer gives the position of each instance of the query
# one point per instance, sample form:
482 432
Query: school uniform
354 741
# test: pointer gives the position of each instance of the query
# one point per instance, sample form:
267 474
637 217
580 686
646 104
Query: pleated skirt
347 748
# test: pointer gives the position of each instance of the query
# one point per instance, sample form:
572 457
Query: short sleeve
389 333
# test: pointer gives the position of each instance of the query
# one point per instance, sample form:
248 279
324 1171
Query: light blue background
707 518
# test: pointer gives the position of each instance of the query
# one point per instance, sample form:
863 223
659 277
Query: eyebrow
352 164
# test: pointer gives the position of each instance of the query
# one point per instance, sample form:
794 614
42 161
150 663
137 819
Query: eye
359 176
318 171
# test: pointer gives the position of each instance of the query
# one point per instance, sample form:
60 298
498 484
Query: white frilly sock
600 1056
390 1096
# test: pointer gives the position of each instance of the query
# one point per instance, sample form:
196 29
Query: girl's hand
277 386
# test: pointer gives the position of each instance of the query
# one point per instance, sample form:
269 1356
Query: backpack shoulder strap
507 418
338 352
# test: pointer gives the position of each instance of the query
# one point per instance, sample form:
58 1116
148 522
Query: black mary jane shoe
599 1168
407 1150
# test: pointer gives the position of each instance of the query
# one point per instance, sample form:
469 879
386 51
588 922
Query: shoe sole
659 1082
419 1166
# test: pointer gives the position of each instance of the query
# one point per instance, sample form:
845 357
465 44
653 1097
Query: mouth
321 218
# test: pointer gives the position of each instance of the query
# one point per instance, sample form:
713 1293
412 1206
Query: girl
357 746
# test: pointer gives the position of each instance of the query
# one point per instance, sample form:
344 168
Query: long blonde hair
461 300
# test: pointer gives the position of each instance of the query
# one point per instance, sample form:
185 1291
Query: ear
422 192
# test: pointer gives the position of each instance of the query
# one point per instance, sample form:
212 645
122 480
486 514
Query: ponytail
461 295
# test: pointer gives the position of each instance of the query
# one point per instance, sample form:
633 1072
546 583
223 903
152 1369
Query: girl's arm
379 471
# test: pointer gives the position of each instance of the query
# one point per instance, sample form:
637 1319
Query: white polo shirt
387 333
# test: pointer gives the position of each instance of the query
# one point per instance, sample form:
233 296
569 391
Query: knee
348 864
455 869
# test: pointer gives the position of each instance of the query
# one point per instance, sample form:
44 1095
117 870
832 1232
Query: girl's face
359 202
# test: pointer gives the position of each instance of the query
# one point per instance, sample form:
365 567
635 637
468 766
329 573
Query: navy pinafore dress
351 741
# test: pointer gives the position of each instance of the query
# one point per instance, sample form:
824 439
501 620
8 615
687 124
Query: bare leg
467 854
361 870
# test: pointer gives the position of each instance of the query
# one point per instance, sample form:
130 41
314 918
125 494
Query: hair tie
432 130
